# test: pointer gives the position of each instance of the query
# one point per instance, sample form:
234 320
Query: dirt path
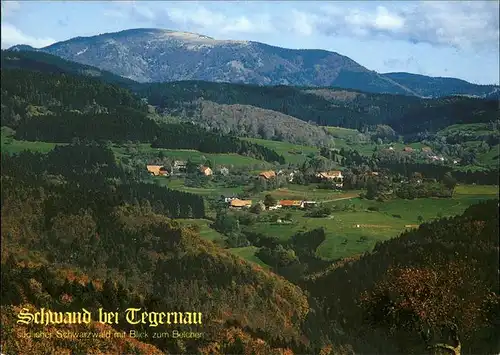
342 198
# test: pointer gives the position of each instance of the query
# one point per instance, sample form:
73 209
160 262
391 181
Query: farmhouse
306 204
157 170
237 203
290 203
330 175
228 199
205 170
408 149
268 174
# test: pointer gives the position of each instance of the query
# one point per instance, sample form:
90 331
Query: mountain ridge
159 55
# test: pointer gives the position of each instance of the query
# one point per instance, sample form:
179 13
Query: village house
290 203
157 170
408 149
224 171
437 158
227 199
307 204
238 204
179 166
330 175
427 150
205 170
268 175
291 176
275 207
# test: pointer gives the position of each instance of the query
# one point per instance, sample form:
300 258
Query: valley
286 214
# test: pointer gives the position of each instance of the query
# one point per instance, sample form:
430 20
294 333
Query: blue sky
437 38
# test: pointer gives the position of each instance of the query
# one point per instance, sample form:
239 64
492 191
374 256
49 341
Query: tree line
405 114
59 108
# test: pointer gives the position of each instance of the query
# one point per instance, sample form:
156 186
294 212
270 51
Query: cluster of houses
236 203
334 175
428 152
179 166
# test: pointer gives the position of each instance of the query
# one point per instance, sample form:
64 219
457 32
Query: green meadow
293 153
353 229
145 151
11 145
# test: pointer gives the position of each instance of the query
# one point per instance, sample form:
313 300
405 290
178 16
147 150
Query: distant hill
157 55
436 86
267 112
323 106
25 57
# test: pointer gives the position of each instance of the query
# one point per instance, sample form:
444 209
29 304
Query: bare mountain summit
157 55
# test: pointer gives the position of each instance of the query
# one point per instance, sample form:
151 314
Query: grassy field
205 231
293 153
301 192
340 132
356 230
15 146
11 145
146 151
490 158
478 190
178 184
247 253
476 128
384 220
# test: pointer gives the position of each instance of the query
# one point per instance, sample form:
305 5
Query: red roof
290 203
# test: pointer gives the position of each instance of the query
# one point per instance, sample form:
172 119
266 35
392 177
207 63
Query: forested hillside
326 107
72 210
44 62
418 289
58 108
251 121
435 86
277 106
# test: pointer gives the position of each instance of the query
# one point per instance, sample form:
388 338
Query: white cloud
144 11
12 36
131 9
384 20
201 17
303 23
459 24
204 19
